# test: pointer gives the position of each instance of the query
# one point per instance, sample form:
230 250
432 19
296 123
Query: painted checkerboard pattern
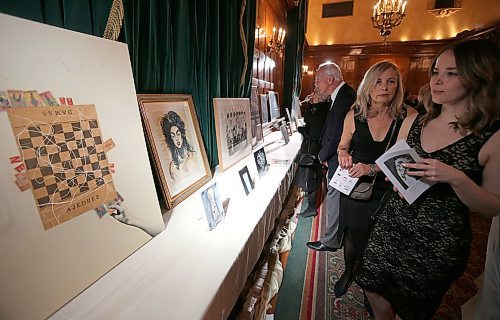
65 162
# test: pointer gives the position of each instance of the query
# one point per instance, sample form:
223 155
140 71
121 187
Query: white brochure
342 181
390 163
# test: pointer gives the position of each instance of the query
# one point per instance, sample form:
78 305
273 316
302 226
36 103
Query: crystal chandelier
388 14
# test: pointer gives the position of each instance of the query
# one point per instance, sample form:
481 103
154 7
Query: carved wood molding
414 48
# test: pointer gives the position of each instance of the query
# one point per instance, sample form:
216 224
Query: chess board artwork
62 150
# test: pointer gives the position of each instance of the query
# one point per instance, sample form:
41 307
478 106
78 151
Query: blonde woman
369 129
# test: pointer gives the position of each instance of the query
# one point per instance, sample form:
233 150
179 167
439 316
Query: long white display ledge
187 271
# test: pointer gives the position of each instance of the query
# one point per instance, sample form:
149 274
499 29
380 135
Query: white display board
41 269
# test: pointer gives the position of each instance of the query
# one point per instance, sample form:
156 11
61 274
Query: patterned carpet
323 270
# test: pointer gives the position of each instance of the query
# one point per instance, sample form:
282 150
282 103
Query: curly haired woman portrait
181 150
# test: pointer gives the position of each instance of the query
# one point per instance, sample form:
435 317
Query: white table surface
187 271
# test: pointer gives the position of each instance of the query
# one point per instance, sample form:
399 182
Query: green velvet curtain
193 47
294 52
87 16
175 46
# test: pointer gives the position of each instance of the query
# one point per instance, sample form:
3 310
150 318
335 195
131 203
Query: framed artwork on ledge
233 130
213 206
261 161
175 142
284 132
257 134
246 180
274 107
264 111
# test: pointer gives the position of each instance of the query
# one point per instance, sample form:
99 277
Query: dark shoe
309 212
318 246
367 305
341 286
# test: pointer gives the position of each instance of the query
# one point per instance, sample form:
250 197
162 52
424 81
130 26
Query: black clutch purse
306 159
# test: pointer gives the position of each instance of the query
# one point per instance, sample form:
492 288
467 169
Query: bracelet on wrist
373 169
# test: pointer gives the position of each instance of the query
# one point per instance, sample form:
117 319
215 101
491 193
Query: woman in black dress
369 129
416 251
309 172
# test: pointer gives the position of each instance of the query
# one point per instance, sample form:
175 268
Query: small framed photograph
175 142
274 105
246 180
261 161
264 109
296 112
213 206
284 132
233 130
257 134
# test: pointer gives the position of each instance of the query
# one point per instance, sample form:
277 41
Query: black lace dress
415 252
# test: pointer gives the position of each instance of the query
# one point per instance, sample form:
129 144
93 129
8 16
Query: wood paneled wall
413 58
270 13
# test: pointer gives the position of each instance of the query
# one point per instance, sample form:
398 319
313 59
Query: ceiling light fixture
387 14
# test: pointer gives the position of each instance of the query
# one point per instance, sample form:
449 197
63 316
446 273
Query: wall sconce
259 34
443 9
275 44
305 68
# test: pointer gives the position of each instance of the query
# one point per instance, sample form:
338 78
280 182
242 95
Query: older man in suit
329 80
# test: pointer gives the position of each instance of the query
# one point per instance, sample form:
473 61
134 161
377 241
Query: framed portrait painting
176 144
233 130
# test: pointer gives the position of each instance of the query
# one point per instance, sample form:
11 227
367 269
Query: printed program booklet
391 164
342 181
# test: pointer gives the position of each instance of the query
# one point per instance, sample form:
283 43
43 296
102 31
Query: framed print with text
176 144
233 130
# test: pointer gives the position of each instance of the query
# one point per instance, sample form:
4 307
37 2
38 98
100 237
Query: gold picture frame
175 142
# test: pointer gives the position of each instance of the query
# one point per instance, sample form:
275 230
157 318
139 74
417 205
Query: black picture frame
246 180
261 161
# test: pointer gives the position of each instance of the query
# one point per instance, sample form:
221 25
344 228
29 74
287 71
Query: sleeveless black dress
415 252
355 215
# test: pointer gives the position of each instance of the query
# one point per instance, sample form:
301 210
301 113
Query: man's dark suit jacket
333 127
